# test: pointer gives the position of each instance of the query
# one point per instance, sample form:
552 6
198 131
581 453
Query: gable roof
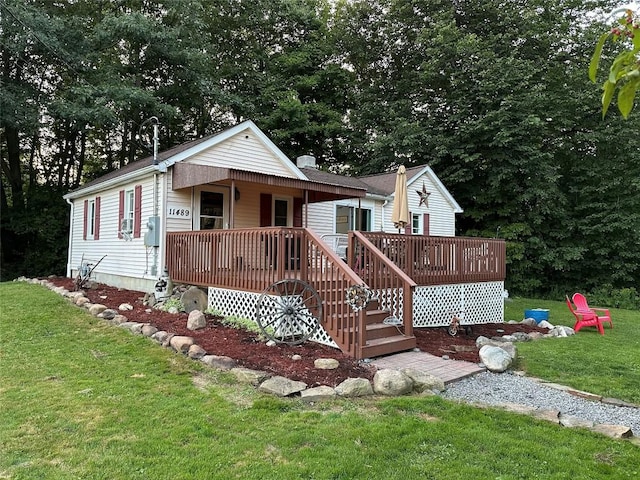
178 153
386 183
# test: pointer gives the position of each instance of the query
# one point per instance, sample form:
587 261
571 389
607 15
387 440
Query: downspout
382 219
70 249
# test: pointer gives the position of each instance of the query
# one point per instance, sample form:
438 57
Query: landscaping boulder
180 343
326 363
354 387
496 359
281 386
392 383
423 382
317 394
196 320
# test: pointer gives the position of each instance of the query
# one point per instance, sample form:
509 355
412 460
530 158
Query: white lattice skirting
433 306
474 303
243 304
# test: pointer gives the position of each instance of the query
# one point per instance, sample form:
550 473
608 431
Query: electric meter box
152 236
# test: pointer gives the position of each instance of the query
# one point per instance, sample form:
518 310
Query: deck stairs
383 338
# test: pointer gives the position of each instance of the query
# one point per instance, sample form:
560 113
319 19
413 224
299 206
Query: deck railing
443 260
253 259
393 287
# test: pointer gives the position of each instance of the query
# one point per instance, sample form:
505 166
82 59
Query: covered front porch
413 280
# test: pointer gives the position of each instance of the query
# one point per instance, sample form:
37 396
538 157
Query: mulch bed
250 352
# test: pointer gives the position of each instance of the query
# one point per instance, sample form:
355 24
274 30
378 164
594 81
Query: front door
212 204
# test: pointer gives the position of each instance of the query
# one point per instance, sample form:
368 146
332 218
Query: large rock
423 382
281 386
391 382
246 375
96 309
506 346
326 363
354 387
196 320
196 352
149 330
317 394
181 344
219 361
194 299
613 431
496 359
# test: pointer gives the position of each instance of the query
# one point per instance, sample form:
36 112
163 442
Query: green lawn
608 365
80 399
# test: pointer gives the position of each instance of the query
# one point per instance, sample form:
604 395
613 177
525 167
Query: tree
624 73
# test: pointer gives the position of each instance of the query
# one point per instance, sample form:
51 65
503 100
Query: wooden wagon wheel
288 311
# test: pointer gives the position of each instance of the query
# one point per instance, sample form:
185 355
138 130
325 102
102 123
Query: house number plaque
174 211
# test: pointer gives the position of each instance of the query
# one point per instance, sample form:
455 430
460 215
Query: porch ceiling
187 175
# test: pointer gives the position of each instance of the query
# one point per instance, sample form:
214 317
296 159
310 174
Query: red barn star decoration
424 196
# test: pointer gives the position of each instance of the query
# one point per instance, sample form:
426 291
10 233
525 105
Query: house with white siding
233 214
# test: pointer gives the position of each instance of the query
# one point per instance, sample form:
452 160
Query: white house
232 213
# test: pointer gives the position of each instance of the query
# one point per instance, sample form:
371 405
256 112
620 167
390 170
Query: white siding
322 216
243 151
441 212
124 258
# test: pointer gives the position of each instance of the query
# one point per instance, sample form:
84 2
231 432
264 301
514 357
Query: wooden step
385 346
381 330
376 316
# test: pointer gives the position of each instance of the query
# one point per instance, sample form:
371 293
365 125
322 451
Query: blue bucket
538 314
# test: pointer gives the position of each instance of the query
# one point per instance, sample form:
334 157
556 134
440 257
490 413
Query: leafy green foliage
624 73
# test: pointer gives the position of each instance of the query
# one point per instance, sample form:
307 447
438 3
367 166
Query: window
352 218
129 213
91 219
127 224
91 225
280 212
416 224
211 210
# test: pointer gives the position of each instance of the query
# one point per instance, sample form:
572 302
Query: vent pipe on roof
306 161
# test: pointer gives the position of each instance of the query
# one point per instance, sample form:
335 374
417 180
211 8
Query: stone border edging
386 382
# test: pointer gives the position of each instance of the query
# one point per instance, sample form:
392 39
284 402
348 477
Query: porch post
306 208
232 210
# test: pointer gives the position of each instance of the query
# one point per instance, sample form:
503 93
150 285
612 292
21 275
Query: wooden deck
254 259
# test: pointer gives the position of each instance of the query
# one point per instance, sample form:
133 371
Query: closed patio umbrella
400 213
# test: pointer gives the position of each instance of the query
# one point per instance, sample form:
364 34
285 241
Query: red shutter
409 226
297 212
120 213
84 220
265 209
96 227
425 224
137 211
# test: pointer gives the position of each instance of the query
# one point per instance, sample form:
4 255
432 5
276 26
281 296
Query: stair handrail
394 277
346 326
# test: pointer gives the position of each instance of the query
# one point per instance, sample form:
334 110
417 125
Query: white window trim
282 198
419 216
91 219
196 200
129 208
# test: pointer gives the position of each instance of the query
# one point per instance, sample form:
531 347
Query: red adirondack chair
602 314
585 318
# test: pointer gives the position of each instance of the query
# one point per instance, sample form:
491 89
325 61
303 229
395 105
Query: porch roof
187 175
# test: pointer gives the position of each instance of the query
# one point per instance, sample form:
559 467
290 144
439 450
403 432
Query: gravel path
494 389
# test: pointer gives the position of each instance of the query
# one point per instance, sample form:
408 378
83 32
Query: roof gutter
116 181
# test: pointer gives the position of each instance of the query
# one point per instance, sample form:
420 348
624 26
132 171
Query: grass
80 399
607 365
